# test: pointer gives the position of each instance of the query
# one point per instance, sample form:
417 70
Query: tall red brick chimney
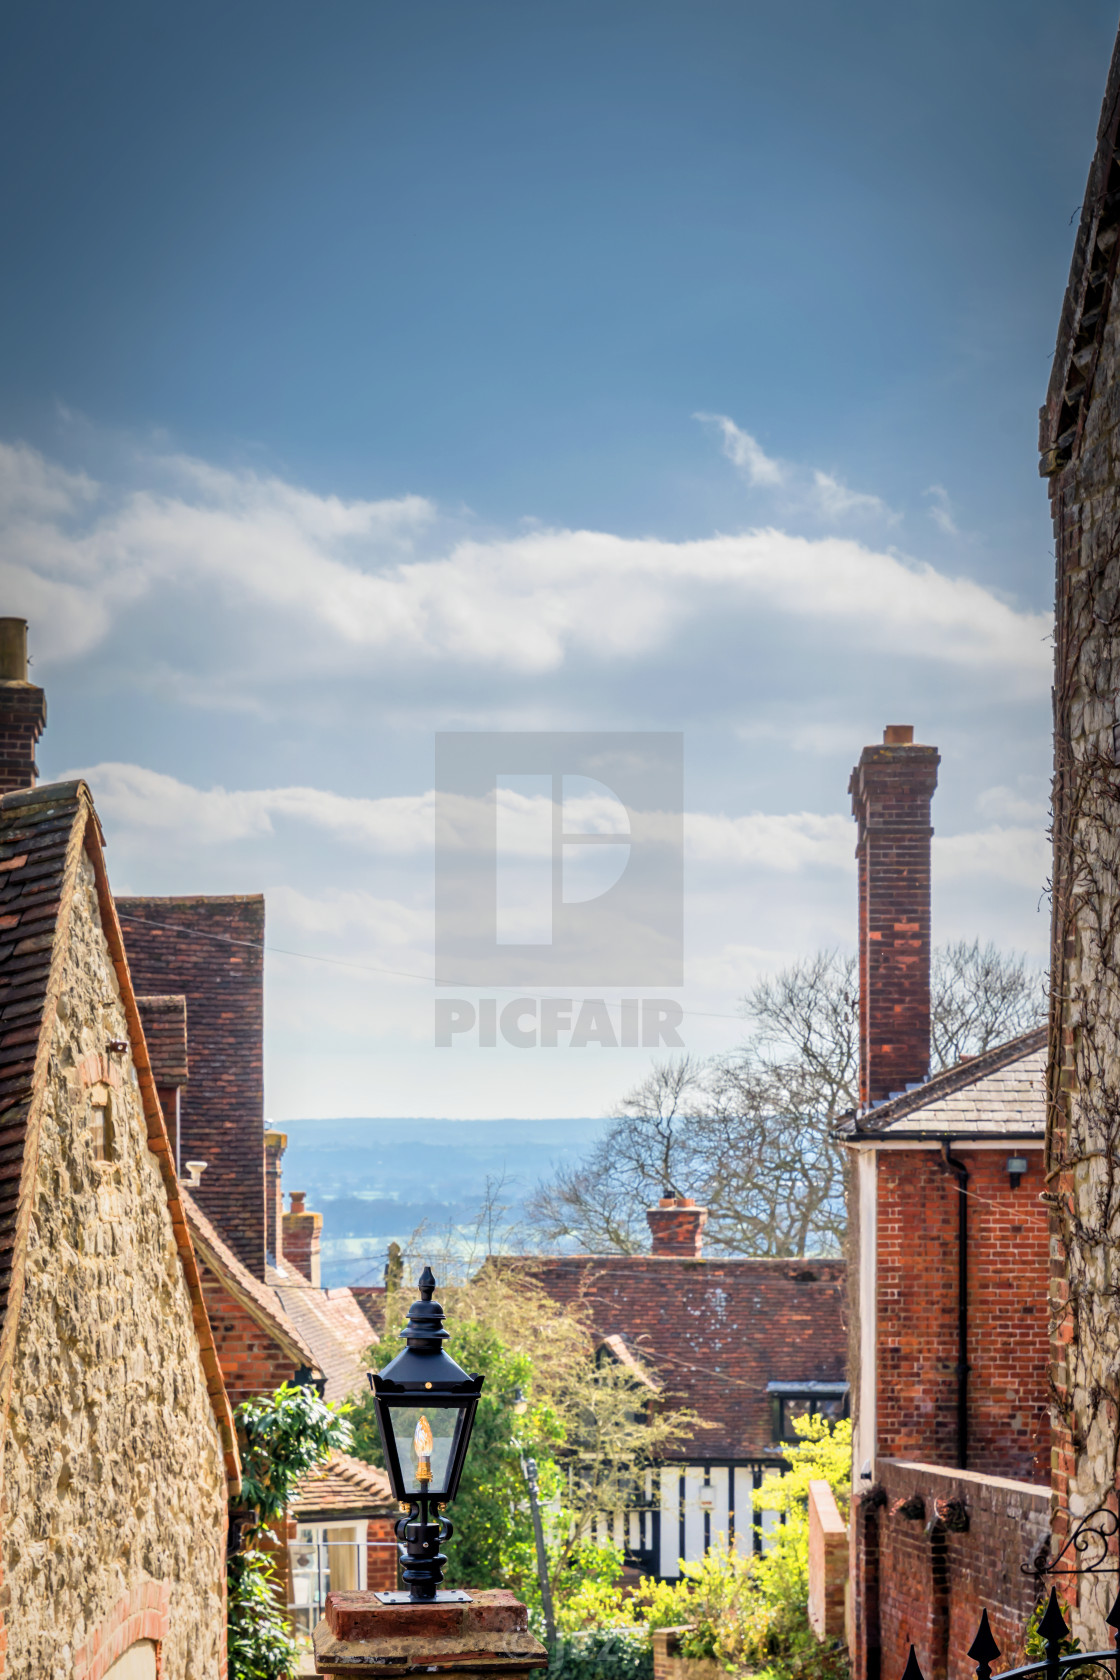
891 789
677 1227
23 710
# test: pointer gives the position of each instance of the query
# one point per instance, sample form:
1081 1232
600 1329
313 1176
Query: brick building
949 1263
104 1337
340 1532
1077 441
746 1344
210 951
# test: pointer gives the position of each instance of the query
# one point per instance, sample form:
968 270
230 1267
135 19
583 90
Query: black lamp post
425 1406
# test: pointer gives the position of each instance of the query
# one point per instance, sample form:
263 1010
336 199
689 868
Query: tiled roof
343 1486
711 1333
260 1301
333 1326
43 832
999 1094
165 1028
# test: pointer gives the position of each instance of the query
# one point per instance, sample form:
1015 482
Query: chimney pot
299 1197
13 650
898 735
676 1227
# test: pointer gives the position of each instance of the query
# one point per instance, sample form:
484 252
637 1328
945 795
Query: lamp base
439 1598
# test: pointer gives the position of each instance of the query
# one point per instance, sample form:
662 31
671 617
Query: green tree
281 1436
591 1425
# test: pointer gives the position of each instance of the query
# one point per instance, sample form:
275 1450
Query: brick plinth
891 789
489 1634
211 950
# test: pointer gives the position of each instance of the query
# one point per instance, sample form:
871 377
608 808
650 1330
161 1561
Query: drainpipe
957 1167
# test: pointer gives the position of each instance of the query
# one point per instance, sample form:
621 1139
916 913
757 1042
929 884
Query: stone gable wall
113 1468
1084 1078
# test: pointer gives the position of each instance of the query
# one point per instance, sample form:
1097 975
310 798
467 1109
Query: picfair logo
559 859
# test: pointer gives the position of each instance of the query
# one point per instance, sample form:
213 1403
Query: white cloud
332 582
148 802
941 510
836 500
744 451
1020 856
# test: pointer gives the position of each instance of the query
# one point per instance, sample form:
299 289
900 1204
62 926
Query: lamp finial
427 1284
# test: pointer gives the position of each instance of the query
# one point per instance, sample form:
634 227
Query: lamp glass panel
444 1423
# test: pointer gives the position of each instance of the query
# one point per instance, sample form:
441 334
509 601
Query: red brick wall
211 950
1008 1324
891 789
933 1582
23 715
715 1331
381 1563
251 1362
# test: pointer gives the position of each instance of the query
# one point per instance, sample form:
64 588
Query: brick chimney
300 1237
23 710
275 1144
891 789
676 1225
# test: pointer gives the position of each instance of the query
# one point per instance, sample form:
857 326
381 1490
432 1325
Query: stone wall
933 1577
113 1469
212 951
1081 457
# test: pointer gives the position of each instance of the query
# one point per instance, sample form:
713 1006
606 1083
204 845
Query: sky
373 370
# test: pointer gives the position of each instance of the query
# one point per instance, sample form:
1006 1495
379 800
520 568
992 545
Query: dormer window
789 1400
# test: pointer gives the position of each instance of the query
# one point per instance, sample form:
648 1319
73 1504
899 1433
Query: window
789 1400
325 1557
101 1123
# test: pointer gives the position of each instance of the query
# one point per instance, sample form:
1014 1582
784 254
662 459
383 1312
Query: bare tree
750 1134
981 997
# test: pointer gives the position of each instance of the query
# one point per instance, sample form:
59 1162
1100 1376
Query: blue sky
353 357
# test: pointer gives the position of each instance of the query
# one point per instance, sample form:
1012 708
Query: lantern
425 1406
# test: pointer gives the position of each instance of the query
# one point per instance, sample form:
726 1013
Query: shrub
621 1653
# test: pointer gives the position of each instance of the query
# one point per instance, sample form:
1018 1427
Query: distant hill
375 1181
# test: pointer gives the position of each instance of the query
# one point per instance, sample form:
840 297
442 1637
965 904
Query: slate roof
43 832
710 1334
260 1301
343 1487
332 1324
1001 1094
